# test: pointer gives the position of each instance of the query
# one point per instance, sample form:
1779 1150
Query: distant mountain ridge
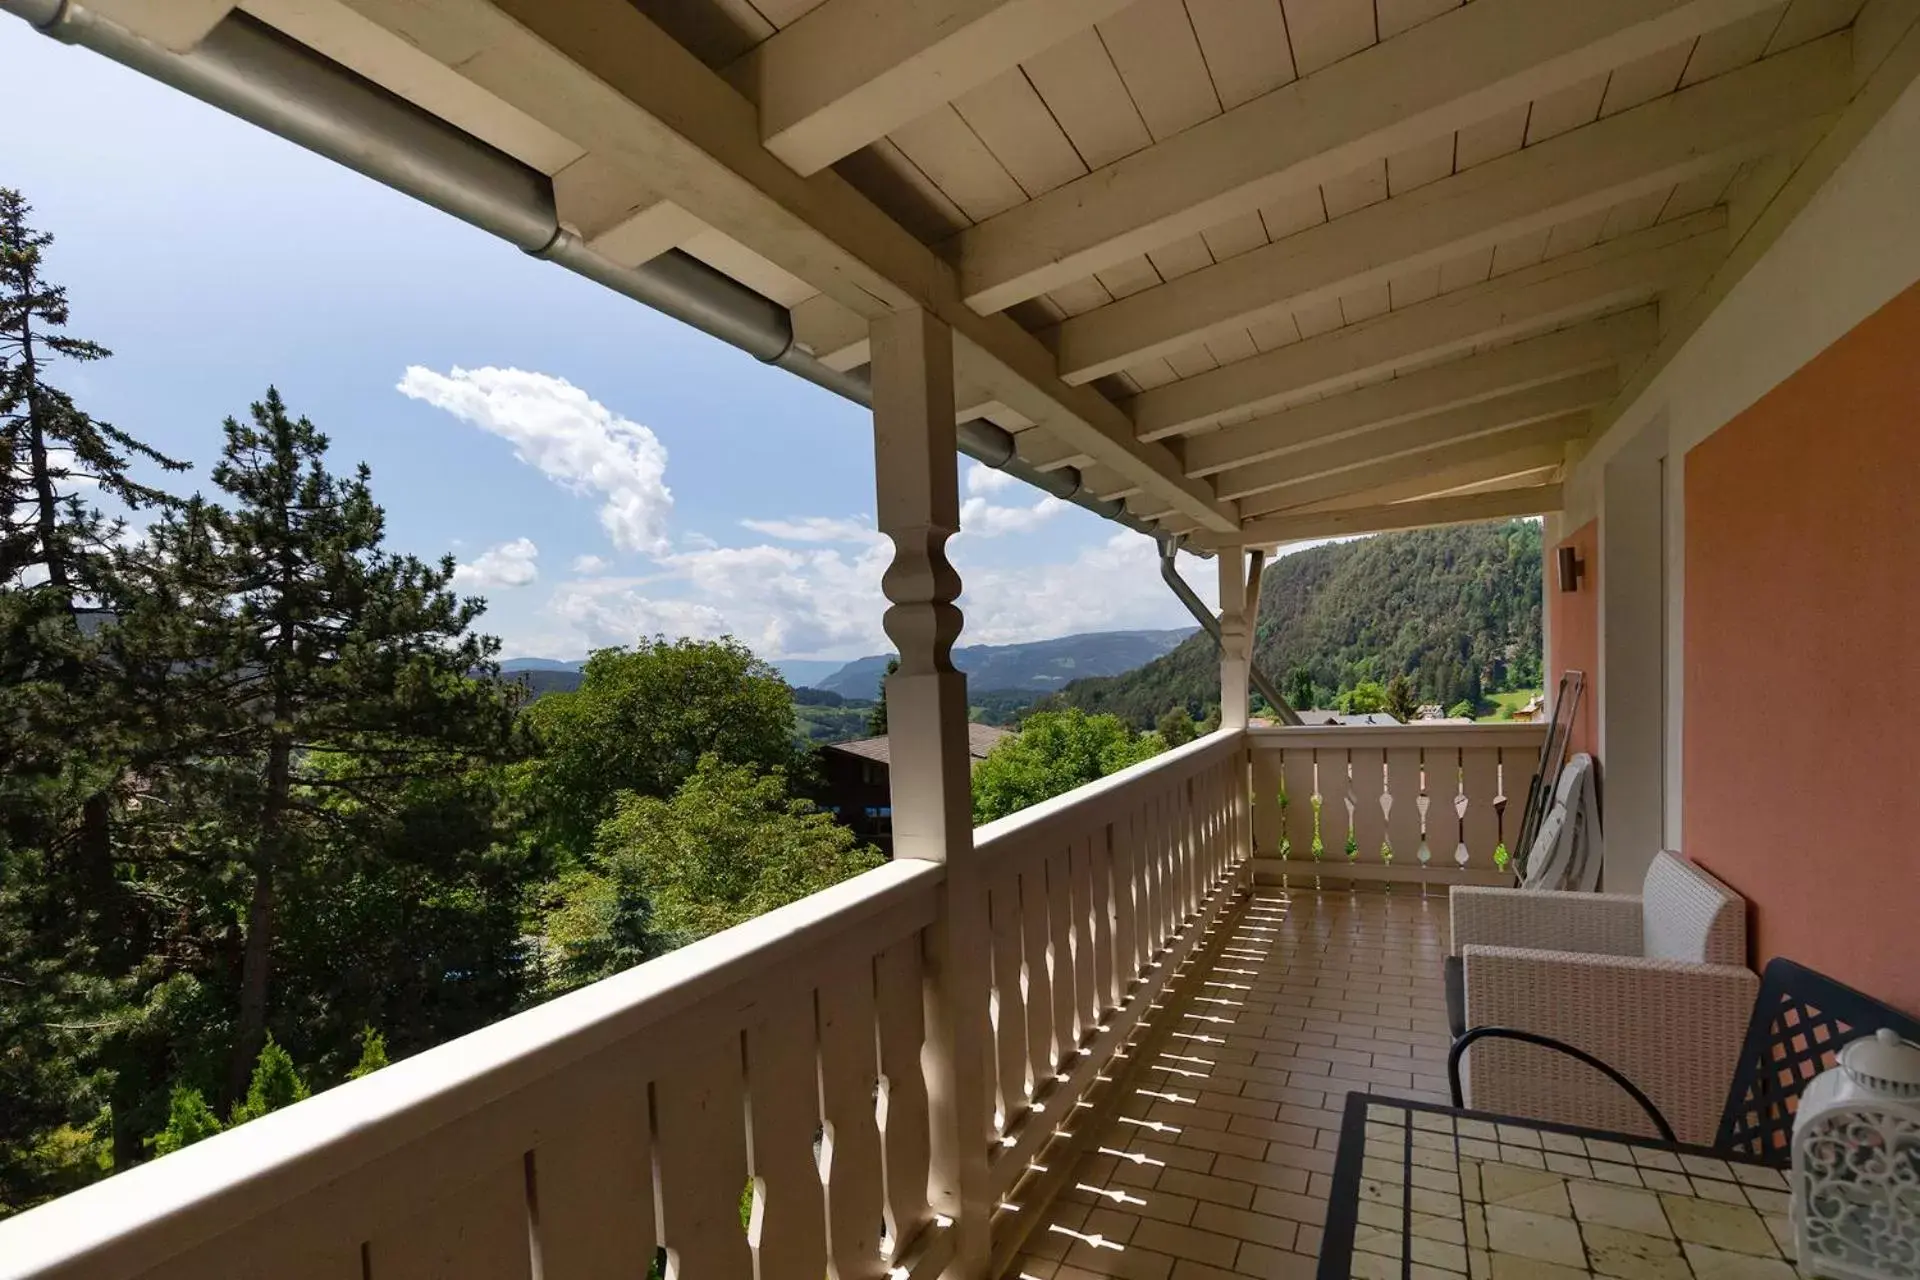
1038 667
1456 610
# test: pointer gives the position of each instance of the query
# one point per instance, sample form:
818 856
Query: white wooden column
1235 636
918 502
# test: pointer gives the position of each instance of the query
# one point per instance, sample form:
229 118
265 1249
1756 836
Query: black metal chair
1800 1021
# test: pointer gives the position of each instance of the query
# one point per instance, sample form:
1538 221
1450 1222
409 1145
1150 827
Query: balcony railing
1435 804
871 1081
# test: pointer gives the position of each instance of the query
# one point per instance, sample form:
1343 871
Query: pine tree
316 677
274 1084
373 1054
189 1119
69 932
877 718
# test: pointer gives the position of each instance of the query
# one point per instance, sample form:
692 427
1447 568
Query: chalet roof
981 738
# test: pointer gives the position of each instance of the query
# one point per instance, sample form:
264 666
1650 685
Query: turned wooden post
1236 636
917 478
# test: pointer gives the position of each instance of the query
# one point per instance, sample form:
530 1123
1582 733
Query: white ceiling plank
1124 279
1489 139
942 146
1809 20
1499 504
1237 236
1531 362
1415 167
1647 149
1296 212
1153 46
1078 82
1734 45
1245 45
1435 470
1450 72
1365 186
1016 126
1399 452
893 182
601 73
1522 251
1365 304
850 71
1229 348
1470 268
1645 79
1566 109
1325 31
1182 257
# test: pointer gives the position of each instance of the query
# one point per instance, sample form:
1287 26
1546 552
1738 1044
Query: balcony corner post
918 506
1236 640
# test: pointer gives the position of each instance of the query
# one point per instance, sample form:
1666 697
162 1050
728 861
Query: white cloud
984 519
577 441
825 600
983 479
591 564
813 529
511 564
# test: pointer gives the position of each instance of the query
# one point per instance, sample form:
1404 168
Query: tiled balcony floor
1219 1160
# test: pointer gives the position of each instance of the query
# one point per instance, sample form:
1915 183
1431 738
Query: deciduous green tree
728 845
1175 727
1364 698
1054 752
642 719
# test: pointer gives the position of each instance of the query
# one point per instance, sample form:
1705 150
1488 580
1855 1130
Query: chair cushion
1454 973
1688 915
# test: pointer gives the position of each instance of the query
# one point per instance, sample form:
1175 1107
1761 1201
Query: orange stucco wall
1802 659
1574 624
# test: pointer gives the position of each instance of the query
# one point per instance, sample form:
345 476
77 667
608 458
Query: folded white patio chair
1655 984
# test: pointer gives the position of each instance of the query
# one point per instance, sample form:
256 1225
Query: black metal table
1428 1192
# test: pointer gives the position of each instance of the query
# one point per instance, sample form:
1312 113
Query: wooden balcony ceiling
1280 267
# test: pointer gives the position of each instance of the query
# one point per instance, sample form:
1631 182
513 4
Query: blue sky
599 471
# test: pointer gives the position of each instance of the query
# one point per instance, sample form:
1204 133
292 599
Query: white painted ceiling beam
1627 269
1546 359
178 25
1708 127
1454 70
1499 504
602 74
851 71
1565 402
1434 469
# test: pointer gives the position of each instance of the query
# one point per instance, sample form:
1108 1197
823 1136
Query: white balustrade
1436 804
756 1104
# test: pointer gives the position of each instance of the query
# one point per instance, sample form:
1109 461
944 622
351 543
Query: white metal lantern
1856 1164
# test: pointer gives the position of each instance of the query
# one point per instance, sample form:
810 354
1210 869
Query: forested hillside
1455 610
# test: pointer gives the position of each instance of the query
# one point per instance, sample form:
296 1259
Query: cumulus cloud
591 564
824 599
986 520
814 529
575 440
511 564
982 479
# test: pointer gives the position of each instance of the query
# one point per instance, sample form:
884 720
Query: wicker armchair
1654 984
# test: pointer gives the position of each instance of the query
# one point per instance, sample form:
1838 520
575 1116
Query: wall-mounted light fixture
1572 568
